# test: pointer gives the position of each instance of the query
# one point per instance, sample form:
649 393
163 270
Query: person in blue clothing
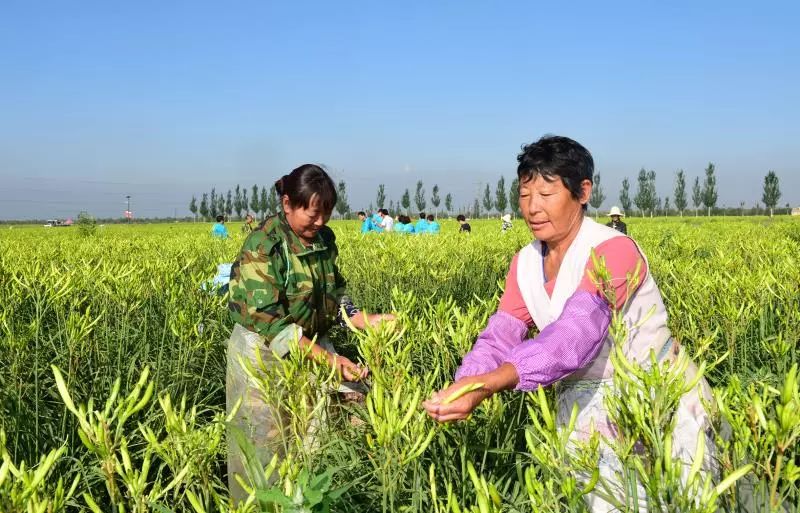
367 225
422 224
403 224
433 226
219 230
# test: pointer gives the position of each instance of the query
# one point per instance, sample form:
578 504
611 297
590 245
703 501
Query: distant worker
247 227
422 224
219 230
465 227
387 223
403 224
506 222
616 220
433 226
367 225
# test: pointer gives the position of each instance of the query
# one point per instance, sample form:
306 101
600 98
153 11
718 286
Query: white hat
615 211
506 218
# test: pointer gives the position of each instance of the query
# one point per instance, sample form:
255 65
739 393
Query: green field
128 298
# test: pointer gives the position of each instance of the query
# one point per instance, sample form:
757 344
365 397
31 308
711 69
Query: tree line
499 201
263 201
703 193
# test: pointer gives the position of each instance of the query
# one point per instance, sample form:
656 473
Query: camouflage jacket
277 281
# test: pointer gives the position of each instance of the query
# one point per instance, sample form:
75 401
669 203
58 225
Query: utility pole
128 209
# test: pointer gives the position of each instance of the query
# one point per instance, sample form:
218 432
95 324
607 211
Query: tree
237 201
655 201
419 197
406 201
244 199
341 201
448 203
500 198
229 203
435 199
710 188
391 205
642 198
624 195
380 199
254 199
273 204
487 200
263 202
513 198
597 198
212 205
772 191
697 194
680 192
221 205
204 206
476 209
666 206
193 207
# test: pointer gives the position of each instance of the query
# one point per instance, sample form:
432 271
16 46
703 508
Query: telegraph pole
128 210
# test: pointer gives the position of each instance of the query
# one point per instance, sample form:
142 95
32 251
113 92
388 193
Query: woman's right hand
347 369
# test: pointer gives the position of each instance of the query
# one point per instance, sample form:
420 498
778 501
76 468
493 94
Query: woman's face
305 221
549 208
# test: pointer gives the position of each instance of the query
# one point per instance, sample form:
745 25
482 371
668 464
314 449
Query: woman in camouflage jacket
285 286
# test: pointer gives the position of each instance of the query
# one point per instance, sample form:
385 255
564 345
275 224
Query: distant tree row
420 199
261 203
648 202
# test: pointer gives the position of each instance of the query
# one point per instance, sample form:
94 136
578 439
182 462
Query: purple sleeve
503 332
566 345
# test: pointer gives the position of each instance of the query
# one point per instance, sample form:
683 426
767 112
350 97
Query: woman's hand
360 322
347 369
459 408
503 378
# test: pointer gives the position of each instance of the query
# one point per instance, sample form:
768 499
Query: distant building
796 211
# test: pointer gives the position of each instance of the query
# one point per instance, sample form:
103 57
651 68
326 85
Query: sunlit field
124 318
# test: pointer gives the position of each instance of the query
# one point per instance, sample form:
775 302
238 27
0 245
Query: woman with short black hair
549 286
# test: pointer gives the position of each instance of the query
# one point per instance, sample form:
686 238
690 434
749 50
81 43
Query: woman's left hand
460 408
360 322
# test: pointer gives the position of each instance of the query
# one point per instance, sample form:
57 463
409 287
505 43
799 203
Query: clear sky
162 100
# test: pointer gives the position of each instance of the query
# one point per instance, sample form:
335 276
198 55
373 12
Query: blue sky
162 100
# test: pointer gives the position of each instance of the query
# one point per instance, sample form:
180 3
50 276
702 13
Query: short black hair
220 219
422 215
460 217
361 213
384 211
303 183
430 217
553 157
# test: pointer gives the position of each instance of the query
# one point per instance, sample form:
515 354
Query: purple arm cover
503 332
566 345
